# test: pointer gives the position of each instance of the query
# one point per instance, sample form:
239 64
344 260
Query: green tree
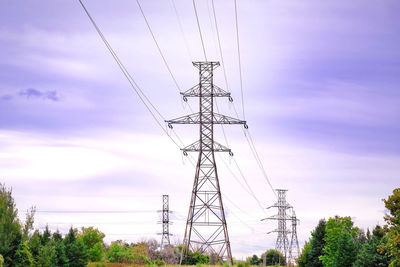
313 250
392 239
59 257
302 260
254 260
115 252
10 227
346 251
35 245
28 226
92 240
23 257
369 255
45 237
74 250
317 243
333 231
273 257
1 261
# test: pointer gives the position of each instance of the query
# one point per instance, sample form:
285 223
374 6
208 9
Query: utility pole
165 222
282 242
206 229
294 250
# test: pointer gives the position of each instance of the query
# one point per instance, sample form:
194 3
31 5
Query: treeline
22 246
338 243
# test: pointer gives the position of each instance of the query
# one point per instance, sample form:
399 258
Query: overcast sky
321 97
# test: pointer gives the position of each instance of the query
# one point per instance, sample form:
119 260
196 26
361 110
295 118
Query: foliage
273 257
118 252
316 246
74 250
1 261
346 251
303 259
369 255
23 257
92 240
333 231
254 260
10 228
159 262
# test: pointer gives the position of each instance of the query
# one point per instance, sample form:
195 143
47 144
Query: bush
159 262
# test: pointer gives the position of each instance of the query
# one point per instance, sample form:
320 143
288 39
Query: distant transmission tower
206 229
282 242
165 222
294 250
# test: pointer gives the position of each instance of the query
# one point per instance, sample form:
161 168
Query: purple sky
321 99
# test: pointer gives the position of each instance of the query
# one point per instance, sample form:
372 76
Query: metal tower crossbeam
206 228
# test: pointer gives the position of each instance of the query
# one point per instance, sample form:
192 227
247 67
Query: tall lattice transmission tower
294 250
206 230
282 242
165 222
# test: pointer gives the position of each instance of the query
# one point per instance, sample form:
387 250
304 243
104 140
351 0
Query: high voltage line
169 70
198 26
140 93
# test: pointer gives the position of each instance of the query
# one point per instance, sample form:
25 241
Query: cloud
6 97
34 93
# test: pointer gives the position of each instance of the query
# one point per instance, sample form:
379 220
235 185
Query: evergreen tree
369 255
34 245
317 243
23 257
75 252
346 251
59 258
391 245
10 228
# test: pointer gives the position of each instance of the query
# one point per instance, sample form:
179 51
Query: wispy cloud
32 93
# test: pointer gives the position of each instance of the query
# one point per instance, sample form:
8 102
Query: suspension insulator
185 153
246 126
230 99
170 125
231 153
184 98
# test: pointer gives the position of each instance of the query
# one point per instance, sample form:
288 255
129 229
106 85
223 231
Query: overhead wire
128 76
158 47
198 26
248 139
181 28
252 147
239 58
132 82
160 51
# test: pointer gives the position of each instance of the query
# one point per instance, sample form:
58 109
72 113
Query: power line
198 26
181 28
240 64
95 211
251 144
160 51
219 45
127 75
158 47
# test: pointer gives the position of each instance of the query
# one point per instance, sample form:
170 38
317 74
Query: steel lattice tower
165 222
294 250
282 242
206 230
